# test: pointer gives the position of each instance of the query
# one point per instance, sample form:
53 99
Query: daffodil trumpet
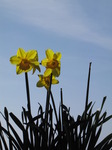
52 63
44 81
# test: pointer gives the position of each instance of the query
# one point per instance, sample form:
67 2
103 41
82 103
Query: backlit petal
34 62
57 56
49 53
18 70
31 54
35 65
47 72
54 81
39 84
15 60
34 69
44 62
56 72
21 53
40 77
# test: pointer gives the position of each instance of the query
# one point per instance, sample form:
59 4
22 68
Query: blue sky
80 30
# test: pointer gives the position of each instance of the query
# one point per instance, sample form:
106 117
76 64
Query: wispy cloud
62 17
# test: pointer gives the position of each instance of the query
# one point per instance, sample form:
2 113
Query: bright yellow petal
21 53
47 72
44 62
34 62
49 53
54 81
31 54
15 60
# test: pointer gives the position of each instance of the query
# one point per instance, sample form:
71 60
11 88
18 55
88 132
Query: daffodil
25 61
45 81
52 63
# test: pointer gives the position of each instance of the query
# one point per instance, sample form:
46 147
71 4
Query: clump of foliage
51 129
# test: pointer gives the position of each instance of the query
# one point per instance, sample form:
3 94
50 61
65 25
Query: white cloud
59 17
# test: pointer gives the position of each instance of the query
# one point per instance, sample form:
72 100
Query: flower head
45 81
25 61
52 63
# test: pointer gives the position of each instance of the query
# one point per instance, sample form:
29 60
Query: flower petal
40 76
54 81
57 56
15 60
35 65
39 84
31 54
18 70
44 62
49 53
34 69
21 53
34 62
56 72
47 72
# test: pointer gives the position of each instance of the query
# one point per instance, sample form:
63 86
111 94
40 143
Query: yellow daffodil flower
52 63
45 81
25 61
